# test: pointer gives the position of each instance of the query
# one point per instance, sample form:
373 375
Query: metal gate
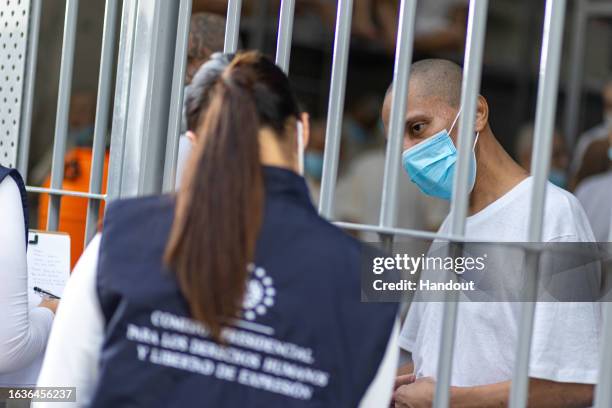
146 114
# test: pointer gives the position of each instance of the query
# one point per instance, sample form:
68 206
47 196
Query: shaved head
434 99
437 78
440 78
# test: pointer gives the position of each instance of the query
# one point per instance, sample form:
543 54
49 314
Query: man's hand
50 304
399 381
419 394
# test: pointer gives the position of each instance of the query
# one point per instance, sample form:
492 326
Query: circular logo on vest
260 293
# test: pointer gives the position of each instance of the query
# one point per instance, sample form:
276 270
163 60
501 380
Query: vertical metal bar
63 108
28 91
122 96
470 89
603 391
552 39
285 33
397 123
232 26
336 106
102 112
176 104
574 87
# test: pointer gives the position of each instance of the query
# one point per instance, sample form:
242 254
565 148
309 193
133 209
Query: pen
45 293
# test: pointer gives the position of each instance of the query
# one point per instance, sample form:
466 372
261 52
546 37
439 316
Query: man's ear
191 136
305 119
482 114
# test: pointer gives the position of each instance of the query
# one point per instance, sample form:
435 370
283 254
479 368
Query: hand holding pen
49 300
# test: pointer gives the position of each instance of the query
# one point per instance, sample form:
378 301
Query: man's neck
497 172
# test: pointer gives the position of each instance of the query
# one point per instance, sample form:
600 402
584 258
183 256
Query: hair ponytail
219 208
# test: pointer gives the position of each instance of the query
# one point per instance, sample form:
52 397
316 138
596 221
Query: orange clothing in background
73 210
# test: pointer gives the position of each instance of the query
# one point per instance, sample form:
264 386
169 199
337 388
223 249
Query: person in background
206 36
565 342
77 169
598 133
313 159
207 296
559 159
595 195
80 132
23 331
595 161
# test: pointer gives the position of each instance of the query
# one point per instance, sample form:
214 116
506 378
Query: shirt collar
278 180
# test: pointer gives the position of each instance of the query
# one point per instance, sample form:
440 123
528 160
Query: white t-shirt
75 344
565 342
595 195
23 331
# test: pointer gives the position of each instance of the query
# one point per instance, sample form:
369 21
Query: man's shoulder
564 217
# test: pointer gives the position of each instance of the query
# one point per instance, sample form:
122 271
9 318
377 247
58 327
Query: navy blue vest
5 172
304 338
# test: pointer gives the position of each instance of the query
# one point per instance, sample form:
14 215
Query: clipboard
48 263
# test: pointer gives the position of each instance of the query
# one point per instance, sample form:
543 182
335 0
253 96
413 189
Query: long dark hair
219 207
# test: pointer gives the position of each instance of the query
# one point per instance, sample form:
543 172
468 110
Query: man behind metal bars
565 342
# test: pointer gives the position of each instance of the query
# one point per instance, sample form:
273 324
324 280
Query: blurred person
81 119
595 134
361 190
559 159
595 194
362 126
77 168
439 25
73 210
313 159
206 36
207 297
565 342
23 331
595 161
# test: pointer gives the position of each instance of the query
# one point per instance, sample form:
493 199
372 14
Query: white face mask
300 146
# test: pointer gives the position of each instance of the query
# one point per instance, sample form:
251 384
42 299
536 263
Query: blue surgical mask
558 178
431 164
313 164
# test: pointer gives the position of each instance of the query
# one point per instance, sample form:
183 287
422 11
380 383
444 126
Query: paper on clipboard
48 263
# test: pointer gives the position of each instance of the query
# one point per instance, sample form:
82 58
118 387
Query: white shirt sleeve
23 332
76 339
380 391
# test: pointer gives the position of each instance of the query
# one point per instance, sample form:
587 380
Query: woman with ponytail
234 292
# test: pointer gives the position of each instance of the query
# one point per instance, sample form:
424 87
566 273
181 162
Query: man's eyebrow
415 117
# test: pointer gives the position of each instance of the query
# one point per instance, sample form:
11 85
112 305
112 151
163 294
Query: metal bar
28 90
397 123
60 192
552 39
576 69
336 106
122 95
102 112
178 87
232 26
398 231
63 108
603 391
285 34
470 88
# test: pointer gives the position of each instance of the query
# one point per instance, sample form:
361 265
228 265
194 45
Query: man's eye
416 128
